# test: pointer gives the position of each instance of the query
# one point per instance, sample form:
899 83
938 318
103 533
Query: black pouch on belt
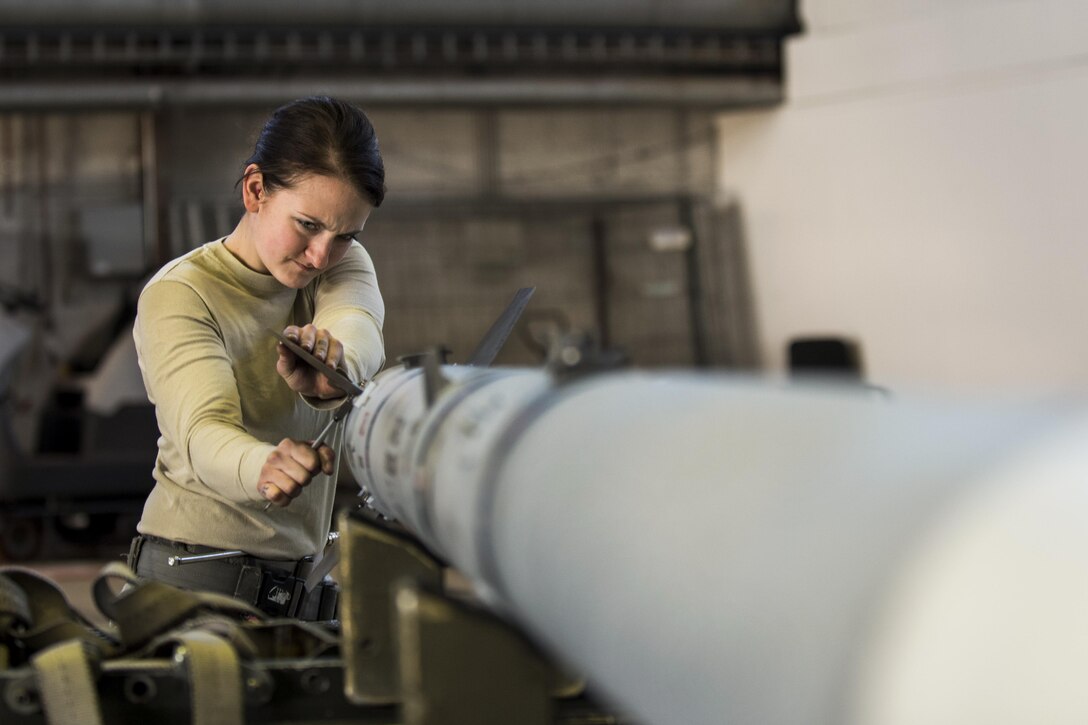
280 593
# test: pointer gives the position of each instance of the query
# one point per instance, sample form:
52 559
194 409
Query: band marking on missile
545 400
397 383
422 491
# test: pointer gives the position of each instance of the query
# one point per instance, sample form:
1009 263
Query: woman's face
302 230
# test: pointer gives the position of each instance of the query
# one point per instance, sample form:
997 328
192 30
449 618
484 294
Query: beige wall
924 191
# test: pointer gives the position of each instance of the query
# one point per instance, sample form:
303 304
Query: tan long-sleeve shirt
208 361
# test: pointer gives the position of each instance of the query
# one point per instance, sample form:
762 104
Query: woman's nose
318 253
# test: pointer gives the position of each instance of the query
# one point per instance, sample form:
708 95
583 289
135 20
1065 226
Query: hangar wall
921 191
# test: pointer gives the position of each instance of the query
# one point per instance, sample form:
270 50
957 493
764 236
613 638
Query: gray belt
275 587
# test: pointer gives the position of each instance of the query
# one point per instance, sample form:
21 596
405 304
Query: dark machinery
79 491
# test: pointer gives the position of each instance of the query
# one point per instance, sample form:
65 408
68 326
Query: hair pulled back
324 136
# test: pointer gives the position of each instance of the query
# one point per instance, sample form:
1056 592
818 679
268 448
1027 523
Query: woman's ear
253 192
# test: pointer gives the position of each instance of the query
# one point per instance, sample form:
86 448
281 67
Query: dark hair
320 135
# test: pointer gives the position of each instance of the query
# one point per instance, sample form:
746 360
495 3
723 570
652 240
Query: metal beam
746 14
711 93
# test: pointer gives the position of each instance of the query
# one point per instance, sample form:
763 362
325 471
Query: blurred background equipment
827 356
79 493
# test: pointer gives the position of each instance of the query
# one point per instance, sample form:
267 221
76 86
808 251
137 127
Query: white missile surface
710 549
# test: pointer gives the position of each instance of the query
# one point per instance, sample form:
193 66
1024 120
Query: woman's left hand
301 377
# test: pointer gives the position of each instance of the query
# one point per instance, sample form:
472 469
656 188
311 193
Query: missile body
711 549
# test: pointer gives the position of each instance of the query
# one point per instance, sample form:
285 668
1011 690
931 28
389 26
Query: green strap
215 679
67 684
149 614
149 608
104 597
13 602
291 639
15 619
146 611
52 618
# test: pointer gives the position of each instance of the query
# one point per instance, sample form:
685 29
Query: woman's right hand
290 467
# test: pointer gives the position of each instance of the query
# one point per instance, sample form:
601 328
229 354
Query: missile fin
492 342
434 382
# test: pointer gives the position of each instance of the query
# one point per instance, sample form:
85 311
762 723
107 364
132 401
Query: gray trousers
274 587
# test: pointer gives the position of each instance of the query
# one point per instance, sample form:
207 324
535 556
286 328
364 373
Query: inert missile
713 549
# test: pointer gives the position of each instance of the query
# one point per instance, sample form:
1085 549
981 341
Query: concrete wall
922 191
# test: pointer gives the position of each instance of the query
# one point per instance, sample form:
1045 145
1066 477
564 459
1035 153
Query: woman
236 412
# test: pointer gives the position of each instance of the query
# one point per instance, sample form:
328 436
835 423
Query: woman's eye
348 238
307 225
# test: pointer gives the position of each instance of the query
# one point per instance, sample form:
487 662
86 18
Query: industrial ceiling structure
105 53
